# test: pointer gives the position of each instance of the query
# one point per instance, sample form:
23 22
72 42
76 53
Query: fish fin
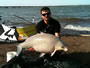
53 53
19 49
42 54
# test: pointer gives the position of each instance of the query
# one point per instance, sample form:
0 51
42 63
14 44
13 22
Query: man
48 24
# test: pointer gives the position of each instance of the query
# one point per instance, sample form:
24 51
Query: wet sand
79 49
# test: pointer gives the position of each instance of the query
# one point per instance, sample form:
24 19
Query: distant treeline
17 6
38 6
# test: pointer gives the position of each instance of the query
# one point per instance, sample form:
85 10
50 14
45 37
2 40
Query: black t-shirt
52 27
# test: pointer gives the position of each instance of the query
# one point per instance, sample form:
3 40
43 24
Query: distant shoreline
41 6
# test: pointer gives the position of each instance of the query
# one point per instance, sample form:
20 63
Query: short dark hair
45 9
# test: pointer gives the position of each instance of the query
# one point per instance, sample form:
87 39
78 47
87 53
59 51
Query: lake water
71 18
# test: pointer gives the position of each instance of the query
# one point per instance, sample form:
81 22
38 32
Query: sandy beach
79 49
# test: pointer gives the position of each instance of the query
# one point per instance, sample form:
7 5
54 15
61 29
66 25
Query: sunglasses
46 14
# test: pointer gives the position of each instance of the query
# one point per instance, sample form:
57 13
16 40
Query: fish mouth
65 49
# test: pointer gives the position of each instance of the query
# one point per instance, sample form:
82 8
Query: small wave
75 30
78 27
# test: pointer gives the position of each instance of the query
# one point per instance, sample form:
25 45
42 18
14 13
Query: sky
43 2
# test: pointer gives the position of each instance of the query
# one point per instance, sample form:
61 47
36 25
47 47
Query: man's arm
57 30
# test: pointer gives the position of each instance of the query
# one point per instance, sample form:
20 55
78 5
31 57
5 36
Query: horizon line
39 6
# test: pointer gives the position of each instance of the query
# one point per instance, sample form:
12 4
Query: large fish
43 43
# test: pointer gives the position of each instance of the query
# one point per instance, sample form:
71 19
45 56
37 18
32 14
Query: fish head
61 46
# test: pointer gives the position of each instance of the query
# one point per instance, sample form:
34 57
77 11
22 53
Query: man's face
45 15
